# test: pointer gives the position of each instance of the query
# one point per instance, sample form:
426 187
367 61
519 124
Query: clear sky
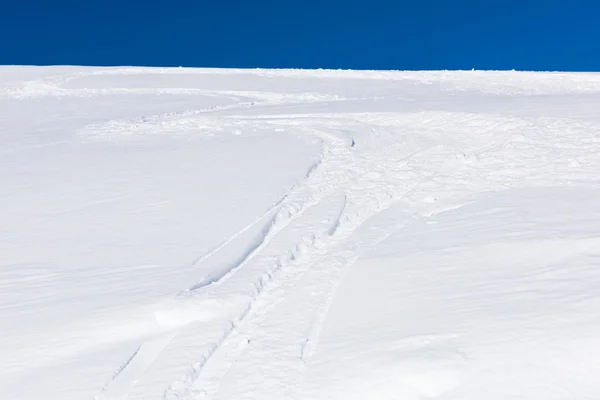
348 34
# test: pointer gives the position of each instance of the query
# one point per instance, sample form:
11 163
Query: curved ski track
371 162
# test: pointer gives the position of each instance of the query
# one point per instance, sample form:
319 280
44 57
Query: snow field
260 234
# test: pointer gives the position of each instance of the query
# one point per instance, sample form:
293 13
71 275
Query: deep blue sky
368 34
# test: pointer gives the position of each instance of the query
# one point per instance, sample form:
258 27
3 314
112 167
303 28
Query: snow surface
286 234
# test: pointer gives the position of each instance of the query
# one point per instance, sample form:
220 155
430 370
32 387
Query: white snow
285 234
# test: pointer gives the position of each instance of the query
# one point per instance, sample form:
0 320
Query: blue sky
349 34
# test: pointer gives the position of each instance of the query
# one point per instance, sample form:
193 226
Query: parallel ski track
339 230
337 151
341 162
290 207
252 322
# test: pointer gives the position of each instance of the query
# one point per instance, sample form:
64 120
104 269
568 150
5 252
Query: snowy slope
282 234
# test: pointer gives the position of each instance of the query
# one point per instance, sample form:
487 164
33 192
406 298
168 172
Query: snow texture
187 234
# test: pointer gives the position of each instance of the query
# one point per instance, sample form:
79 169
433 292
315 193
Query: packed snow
187 234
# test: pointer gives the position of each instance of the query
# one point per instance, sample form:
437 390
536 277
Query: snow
286 234
509 311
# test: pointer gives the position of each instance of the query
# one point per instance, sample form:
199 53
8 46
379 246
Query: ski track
323 269
127 376
292 206
233 237
371 163
367 189
260 334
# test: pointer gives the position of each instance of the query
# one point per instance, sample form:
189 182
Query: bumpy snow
187 234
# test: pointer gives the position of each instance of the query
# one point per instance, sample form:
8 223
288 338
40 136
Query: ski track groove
286 214
257 244
128 375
